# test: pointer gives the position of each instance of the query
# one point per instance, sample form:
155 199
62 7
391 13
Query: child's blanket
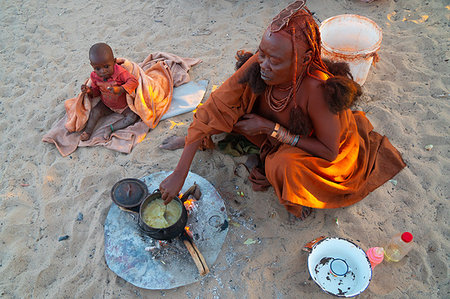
150 101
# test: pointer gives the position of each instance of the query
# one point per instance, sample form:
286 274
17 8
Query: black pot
166 233
129 194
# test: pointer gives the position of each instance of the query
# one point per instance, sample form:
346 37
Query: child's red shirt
120 77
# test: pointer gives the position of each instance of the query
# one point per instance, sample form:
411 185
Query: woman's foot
85 136
306 211
253 161
172 143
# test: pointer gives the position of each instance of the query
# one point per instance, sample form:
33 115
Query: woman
316 153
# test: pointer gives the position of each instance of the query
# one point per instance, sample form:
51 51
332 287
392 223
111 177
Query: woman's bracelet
275 130
284 136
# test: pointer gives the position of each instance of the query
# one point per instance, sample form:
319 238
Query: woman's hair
341 91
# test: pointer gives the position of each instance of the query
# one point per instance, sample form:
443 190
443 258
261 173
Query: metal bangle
275 130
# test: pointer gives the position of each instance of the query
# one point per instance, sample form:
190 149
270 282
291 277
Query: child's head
102 60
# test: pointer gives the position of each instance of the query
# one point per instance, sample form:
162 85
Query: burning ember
190 204
188 231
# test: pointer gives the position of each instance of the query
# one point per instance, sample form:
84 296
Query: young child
111 82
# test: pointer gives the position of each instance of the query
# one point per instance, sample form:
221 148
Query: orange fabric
223 108
154 92
77 111
366 160
179 66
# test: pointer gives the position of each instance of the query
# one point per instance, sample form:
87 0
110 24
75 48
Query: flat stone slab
171 265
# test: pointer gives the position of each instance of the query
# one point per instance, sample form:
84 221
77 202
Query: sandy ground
43 52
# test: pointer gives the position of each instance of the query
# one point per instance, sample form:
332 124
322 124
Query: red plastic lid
407 237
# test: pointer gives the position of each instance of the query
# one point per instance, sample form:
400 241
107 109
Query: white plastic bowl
359 274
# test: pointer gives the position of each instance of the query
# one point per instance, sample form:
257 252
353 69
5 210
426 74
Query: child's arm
116 89
92 91
86 89
131 83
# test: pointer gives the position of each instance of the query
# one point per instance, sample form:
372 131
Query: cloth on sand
237 145
366 160
150 101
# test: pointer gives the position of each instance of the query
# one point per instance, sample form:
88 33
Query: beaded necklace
279 105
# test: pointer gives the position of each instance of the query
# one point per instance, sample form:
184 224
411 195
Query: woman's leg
284 172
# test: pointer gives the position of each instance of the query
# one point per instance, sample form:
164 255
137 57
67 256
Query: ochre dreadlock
302 27
340 90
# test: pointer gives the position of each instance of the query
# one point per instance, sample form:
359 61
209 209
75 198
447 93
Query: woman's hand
171 186
252 124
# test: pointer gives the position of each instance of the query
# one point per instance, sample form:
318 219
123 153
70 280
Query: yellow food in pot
153 214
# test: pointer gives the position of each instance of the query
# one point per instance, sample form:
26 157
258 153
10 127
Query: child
111 82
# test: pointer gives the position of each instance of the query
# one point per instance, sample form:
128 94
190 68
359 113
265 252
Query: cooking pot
166 233
129 193
132 195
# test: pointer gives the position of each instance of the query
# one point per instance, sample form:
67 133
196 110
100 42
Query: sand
43 52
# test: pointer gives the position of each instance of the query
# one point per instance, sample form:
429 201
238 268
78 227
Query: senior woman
315 152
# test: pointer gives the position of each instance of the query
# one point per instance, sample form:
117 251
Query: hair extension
338 68
242 57
300 123
341 93
253 78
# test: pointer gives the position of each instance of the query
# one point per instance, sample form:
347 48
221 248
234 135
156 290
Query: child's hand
86 89
116 89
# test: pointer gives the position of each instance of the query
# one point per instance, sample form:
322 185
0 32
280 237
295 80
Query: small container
398 247
375 255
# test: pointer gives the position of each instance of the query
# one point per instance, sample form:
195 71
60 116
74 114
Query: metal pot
166 233
129 194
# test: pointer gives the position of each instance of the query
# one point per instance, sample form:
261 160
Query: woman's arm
172 185
326 125
324 144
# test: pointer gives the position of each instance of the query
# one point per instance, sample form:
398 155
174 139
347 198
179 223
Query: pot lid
129 193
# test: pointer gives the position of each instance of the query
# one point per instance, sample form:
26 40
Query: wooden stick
202 259
195 257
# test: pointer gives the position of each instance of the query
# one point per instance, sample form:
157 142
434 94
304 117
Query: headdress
282 19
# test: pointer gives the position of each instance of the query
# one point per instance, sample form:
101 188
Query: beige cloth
150 101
